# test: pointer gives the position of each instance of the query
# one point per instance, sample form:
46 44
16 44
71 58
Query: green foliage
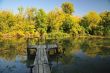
58 22
15 25
6 21
105 22
20 9
98 31
41 20
0 34
68 7
54 20
67 24
57 35
90 22
77 30
71 25
31 14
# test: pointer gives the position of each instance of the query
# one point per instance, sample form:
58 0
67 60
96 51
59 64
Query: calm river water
81 55
76 55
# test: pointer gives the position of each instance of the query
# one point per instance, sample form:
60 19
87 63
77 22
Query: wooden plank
41 60
46 68
41 69
45 57
32 46
46 64
48 46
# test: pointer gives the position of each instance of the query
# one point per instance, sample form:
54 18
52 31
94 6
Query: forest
60 22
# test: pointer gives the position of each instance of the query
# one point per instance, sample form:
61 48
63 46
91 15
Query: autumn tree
68 7
105 22
30 14
59 21
67 24
54 20
41 21
7 20
90 22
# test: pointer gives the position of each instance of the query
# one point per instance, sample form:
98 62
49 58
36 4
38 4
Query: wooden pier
41 64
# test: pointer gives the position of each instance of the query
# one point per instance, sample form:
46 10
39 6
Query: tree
7 20
41 21
54 20
71 25
68 7
105 22
20 9
90 22
31 15
67 24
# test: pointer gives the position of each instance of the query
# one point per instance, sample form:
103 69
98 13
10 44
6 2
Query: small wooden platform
47 46
41 64
41 61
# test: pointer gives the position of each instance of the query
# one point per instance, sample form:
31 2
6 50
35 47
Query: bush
36 34
54 35
0 34
19 34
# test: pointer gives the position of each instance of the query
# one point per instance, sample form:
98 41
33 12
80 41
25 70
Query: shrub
55 35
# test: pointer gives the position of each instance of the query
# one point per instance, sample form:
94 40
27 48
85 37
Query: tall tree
68 7
54 20
41 21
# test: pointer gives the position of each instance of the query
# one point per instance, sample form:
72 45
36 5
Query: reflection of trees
72 50
95 46
91 47
66 49
105 51
10 48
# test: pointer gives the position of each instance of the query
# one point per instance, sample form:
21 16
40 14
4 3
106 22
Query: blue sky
81 6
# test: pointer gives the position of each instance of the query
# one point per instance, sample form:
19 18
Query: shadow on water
31 54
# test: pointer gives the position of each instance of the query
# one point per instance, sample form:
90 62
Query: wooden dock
41 64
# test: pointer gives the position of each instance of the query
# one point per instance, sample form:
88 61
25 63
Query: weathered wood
41 64
41 60
48 46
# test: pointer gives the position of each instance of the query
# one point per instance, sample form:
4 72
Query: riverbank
49 36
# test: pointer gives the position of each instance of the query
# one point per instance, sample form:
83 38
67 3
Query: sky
81 6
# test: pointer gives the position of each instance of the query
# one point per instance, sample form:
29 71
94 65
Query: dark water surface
76 55
81 55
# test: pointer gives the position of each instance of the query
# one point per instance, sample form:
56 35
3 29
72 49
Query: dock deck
41 64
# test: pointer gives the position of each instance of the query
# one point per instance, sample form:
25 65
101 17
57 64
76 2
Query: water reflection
81 55
31 54
78 55
13 56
